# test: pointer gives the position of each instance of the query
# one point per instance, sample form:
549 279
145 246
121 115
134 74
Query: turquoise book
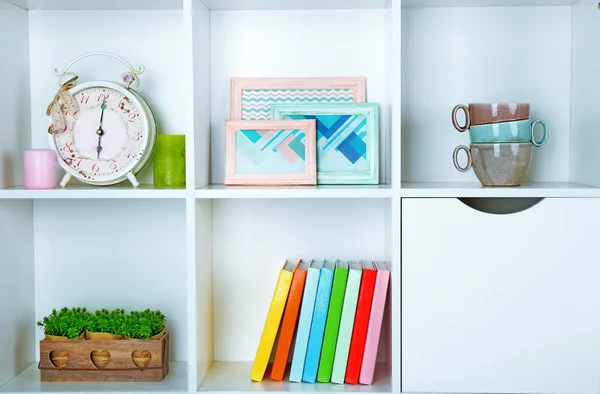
319 319
305 320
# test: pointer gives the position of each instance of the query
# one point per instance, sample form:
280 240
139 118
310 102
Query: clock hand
103 106
100 132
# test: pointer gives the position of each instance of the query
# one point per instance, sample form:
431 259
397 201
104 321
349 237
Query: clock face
106 138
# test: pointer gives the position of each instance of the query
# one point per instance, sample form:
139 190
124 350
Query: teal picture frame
347 140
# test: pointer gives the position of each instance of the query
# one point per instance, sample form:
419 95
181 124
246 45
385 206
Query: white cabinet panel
500 303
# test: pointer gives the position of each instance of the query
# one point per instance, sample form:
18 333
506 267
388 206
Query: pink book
377 308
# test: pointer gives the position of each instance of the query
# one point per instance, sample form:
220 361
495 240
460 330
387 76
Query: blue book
317 329
305 320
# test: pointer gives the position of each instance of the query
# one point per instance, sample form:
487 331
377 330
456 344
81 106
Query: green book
342 348
332 326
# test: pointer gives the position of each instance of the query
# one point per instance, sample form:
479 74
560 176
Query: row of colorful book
335 312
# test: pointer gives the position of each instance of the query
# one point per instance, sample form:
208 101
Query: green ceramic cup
515 132
169 161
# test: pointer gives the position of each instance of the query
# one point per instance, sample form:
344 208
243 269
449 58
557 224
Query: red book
290 318
361 323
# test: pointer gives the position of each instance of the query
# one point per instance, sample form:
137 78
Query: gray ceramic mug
497 164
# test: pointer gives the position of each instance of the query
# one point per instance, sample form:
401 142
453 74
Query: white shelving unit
208 255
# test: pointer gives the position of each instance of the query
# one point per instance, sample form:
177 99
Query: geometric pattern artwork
265 152
252 98
347 139
341 142
256 104
270 151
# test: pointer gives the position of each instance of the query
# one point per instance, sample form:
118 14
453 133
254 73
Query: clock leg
66 179
132 179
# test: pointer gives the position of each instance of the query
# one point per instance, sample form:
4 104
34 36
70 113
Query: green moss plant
144 324
103 320
65 322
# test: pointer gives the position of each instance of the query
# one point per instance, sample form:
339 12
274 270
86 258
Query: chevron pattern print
256 104
341 143
270 152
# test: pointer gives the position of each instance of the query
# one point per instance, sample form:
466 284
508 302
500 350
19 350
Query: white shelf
98 5
92 192
527 190
29 382
221 191
485 3
225 5
235 377
408 190
294 4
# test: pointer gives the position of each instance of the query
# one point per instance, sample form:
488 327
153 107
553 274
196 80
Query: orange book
290 320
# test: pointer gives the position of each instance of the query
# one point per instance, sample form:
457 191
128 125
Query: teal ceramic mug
516 132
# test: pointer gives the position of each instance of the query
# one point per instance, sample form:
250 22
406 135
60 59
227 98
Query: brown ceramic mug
478 114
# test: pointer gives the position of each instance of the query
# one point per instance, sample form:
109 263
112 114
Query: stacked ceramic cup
502 138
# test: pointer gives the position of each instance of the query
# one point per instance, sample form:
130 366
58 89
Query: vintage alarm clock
103 132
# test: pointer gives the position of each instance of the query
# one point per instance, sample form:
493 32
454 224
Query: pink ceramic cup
39 169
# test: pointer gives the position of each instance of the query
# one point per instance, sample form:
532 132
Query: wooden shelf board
293 4
29 382
329 191
235 377
98 5
527 190
93 192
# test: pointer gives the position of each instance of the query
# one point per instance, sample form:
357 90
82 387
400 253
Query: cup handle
469 158
544 133
467 116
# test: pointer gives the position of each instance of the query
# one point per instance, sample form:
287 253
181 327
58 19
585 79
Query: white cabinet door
501 303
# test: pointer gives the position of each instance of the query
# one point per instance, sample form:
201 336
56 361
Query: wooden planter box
116 361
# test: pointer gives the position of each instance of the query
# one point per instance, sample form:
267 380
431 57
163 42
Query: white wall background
585 90
17 288
483 54
294 44
106 254
253 238
153 39
14 105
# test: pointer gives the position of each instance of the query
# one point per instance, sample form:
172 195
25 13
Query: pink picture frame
251 98
271 153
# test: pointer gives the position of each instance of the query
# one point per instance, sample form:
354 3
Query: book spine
361 325
342 348
304 323
332 326
372 343
271 326
317 329
288 326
